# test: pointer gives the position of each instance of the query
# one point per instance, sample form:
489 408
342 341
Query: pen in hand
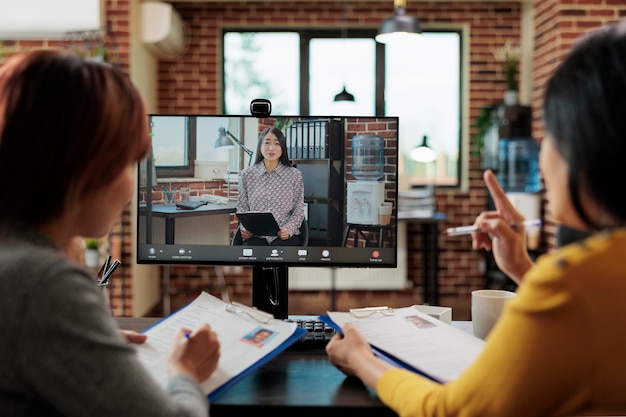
466 230
107 274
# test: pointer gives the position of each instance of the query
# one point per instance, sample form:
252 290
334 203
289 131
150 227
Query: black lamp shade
400 22
344 96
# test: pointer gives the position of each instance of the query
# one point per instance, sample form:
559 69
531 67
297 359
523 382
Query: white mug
487 305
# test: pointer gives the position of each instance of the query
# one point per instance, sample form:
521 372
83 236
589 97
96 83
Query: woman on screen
272 185
558 348
71 134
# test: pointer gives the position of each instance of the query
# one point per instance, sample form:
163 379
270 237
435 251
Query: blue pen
187 335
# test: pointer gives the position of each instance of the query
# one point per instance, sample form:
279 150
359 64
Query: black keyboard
190 205
317 336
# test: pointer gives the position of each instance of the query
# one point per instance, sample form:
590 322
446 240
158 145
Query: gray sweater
60 351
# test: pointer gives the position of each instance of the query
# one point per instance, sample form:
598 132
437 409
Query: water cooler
367 192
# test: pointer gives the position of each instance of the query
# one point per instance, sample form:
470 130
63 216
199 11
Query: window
180 144
173 145
301 72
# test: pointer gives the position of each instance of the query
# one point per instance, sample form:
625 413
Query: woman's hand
507 243
195 353
245 235
133 337
283 234
353 356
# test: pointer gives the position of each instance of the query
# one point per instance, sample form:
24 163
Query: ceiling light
398 26
423 153
344 96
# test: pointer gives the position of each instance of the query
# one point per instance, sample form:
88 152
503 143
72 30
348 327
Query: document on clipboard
248 338
260 223
411 339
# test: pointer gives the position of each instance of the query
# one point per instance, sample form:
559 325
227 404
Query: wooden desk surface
299 382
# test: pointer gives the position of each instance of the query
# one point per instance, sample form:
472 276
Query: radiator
383 279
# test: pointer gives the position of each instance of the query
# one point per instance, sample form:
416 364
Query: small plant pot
92 258
511 97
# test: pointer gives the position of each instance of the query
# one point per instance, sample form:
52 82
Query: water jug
368 161
518 168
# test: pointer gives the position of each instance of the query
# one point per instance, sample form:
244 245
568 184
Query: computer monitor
349 176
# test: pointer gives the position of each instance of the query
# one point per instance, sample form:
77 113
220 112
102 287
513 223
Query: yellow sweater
559 348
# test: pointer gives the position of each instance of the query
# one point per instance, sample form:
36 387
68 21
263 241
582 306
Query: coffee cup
487 306
384 214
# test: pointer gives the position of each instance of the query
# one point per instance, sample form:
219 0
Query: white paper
427 344
233 330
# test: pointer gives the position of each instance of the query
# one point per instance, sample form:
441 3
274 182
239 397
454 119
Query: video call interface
188 191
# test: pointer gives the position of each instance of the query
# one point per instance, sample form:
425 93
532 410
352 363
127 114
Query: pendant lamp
344 95
399 26
423 153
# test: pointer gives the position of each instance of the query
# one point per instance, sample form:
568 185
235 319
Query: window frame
187 169
306 35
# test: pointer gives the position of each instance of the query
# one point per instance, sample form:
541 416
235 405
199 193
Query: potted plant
486 138
92 254
509 56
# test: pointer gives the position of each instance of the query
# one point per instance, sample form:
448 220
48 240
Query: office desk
430 233
171 213
296 383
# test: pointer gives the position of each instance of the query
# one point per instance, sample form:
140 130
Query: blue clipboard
381 353
219 391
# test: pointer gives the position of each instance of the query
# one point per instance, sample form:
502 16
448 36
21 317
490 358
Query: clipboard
259 223
230 321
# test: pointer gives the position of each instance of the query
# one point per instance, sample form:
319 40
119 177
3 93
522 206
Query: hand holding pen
507 243
107 269
468 230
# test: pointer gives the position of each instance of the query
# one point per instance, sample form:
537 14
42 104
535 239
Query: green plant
487 116
91 243
282 123
509 56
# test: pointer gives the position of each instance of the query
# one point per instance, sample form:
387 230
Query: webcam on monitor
260 107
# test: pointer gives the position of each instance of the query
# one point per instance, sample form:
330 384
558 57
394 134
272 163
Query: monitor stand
270 290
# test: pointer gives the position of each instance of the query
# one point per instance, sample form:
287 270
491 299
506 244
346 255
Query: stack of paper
248 339
413 340
417 200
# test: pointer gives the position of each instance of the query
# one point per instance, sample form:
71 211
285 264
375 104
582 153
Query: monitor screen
318 191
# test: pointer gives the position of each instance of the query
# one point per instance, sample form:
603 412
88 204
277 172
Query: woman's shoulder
292 170
593 255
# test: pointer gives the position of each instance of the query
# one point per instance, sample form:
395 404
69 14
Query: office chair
565 235
304 235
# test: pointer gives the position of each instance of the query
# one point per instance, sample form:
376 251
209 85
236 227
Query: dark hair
583 111
284 157
68 127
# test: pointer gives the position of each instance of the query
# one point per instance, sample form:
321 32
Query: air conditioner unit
163 30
